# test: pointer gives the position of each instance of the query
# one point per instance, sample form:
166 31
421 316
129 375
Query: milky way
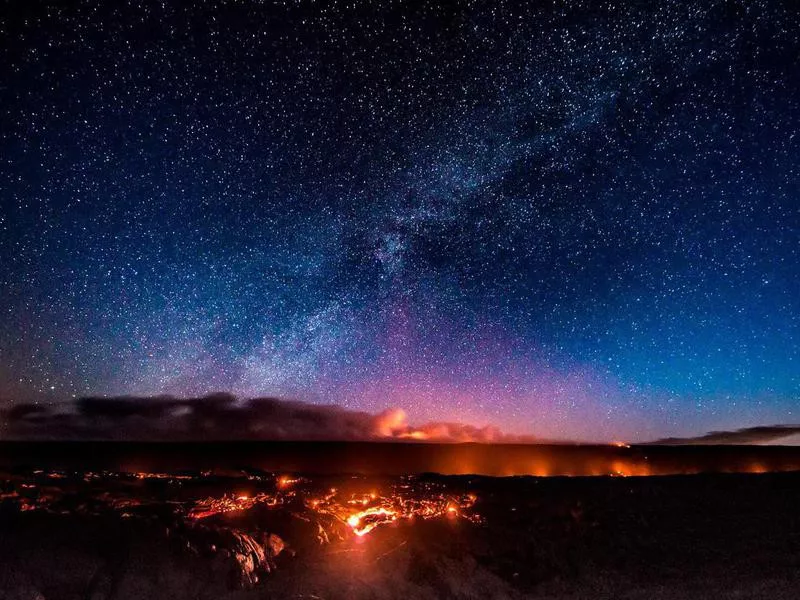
574 220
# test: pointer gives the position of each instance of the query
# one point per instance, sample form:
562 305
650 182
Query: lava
365 512
361 512
211 506
366 520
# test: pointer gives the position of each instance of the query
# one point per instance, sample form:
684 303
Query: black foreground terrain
126 536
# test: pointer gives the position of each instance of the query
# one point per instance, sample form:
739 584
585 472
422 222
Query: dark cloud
750 435
224 417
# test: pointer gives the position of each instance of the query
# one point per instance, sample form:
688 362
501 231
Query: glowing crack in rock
404 504
361 512
229 503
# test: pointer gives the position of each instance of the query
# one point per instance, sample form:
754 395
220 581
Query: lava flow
361 512
230 503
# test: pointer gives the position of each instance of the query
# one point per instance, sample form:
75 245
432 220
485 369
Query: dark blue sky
575 220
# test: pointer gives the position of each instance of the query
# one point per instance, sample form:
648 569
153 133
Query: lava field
124 535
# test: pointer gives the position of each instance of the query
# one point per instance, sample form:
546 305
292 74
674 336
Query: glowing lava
365 521
404 503
361 512
230 503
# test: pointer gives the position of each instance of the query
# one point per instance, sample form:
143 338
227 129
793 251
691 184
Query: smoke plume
224 417
762 434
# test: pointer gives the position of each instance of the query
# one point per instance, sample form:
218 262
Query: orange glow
365 521
361 512
415 435
225 504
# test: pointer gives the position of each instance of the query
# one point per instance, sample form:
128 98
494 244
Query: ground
122 536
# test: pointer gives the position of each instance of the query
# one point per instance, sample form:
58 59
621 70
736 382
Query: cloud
762 434
225 417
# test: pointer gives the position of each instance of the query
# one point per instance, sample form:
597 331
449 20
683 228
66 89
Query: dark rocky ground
107 536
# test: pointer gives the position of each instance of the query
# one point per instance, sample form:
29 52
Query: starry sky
576 220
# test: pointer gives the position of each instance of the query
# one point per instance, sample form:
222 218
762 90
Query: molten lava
361 512
366 520
229 503
365 512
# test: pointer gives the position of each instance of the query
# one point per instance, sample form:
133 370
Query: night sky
577 220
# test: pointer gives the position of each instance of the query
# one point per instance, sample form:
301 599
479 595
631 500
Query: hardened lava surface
119 535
